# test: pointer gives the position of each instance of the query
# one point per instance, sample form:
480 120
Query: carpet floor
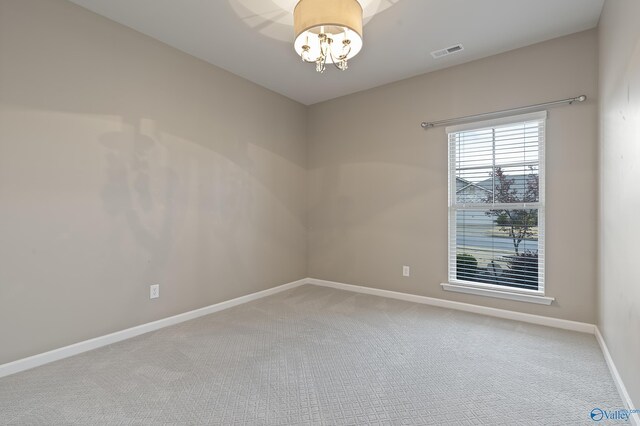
314 355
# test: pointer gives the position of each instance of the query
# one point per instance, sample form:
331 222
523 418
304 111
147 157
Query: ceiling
253 38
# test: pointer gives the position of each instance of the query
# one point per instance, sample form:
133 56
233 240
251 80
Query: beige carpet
315 355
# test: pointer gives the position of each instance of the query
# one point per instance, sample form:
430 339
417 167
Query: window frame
486 289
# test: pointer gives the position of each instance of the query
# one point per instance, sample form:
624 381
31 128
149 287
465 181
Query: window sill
500 294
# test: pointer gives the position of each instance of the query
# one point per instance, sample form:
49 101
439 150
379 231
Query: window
496 204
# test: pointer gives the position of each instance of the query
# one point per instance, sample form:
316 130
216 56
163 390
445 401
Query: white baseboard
87 345
477 309
622 390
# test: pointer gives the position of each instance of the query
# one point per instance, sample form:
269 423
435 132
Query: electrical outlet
406 271
154 291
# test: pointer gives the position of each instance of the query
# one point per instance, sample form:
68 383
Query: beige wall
619 298
378 182
123 163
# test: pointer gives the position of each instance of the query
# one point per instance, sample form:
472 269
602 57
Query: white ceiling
253 38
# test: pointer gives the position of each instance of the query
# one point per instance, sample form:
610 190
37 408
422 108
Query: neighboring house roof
469 192
472 192
463 184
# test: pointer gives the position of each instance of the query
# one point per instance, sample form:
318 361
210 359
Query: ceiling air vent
448 51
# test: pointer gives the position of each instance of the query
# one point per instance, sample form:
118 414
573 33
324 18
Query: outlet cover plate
154 291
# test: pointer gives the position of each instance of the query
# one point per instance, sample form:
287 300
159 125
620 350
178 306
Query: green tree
516 223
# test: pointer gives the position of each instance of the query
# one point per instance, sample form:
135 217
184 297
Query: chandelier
328 31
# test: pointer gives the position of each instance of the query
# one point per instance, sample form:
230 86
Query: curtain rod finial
580 98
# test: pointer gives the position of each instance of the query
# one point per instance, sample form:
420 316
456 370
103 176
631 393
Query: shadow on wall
160 191
151 163
112 71
126 194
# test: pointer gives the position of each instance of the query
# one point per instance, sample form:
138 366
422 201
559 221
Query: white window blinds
496 203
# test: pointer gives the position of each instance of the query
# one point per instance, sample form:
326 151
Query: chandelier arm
341 64
346 55
333 60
